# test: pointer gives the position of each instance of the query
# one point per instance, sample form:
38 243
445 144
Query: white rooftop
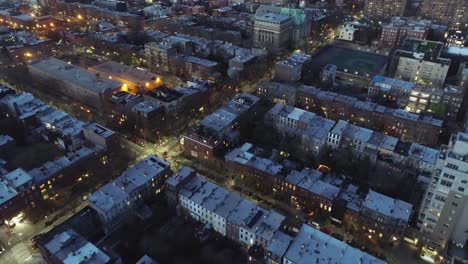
4 139
7 191
310 180
18 177
71 248
312 246
244 156
388 206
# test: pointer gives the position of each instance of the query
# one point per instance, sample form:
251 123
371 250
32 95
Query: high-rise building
384 9
443 214
454 13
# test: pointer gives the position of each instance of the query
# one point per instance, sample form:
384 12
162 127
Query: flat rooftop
5 139
244 155
100 130
295 59
272 18
71 248
386 83
164 94
313 246
7 192
74 75
235 209
125 72
310 180
18 178
388 206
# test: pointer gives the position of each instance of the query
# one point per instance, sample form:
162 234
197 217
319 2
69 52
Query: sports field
364 63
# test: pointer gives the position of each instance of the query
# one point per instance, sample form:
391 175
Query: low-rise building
101 136
229 214
75 82
133 80
385 217
220 128
313 246
347 32
407 126
400 28
420 61
416 98
71 247
116 199
309 128
290 69
16 193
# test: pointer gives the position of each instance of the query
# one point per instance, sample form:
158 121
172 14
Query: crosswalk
20 252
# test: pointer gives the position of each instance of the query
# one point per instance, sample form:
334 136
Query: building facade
384 9
443 217
452 12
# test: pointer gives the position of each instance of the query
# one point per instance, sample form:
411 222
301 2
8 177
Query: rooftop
71 248
60 70
272 18
7 192
132 179
295 59
100 130
197 60
387 206
423 50
163 94
315 126
245 155
125 72
423 153
388 83
310 180
312 246
232 207
18 178
221 119
178 177
5 139
147 106
51 168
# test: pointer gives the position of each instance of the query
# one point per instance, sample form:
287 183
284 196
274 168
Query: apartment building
227 213
419 61
291 69
398 29
309 128
385 217
453 13
116 199
384 9
443 215
220 128
420 128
